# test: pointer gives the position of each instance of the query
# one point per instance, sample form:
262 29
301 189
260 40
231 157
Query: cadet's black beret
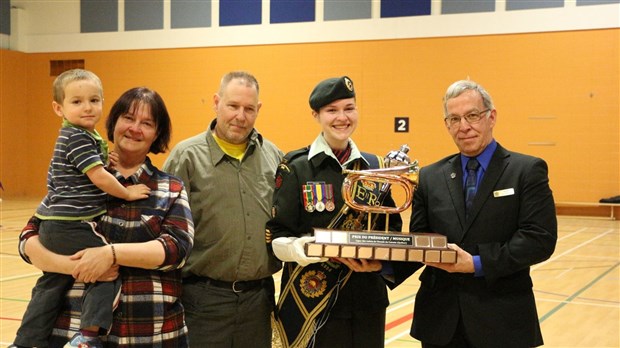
329 90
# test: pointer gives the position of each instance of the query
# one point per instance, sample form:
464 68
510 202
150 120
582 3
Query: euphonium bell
401 172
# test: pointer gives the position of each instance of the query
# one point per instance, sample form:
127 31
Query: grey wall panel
596 2
144 15
532 4
98 16
190 13
469 6
354 9
5 17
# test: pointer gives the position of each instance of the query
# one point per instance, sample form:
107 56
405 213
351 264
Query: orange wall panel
557 96
15 126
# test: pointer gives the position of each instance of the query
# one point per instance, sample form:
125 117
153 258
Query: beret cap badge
348 83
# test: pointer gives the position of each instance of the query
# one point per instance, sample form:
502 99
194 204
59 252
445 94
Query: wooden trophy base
377 245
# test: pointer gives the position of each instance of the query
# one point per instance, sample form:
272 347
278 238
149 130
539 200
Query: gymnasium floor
577 290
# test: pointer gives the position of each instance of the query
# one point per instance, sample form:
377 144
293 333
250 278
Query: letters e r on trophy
351 233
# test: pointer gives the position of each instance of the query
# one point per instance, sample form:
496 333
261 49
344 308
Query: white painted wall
54 26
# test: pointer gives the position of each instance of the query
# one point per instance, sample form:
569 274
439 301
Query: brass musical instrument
400 171
404 176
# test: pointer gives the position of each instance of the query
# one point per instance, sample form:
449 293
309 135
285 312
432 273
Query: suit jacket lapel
453 175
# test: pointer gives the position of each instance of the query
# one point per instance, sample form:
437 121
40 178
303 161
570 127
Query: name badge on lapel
504 192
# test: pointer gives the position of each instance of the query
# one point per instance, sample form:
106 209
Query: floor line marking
572 234
396 337
392 308
573 296
395 323
580 303
566 252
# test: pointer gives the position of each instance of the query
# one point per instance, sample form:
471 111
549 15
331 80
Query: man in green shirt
229 173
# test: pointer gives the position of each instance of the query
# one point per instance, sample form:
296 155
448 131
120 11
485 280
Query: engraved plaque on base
378 238
376 245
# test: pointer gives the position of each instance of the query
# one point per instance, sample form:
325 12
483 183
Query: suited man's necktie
470 183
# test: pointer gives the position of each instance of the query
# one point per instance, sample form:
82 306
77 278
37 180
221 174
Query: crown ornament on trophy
351 233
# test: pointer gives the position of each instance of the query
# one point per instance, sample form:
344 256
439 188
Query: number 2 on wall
401 124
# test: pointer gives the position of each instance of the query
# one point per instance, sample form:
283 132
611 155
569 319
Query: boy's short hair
68 76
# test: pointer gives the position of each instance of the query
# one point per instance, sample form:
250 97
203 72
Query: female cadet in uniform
307 195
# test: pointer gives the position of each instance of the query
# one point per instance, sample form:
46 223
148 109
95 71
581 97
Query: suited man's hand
464 262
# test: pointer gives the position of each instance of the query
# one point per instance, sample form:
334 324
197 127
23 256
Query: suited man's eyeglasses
471 118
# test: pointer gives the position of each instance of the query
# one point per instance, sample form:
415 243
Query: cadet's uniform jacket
364 291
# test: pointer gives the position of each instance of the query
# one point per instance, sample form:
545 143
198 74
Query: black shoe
614 199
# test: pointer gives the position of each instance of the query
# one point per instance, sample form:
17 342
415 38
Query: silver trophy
351 233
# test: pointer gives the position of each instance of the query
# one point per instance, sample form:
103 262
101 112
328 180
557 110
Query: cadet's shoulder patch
279 178
284 168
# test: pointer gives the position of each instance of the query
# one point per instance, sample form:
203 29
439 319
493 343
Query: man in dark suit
485 299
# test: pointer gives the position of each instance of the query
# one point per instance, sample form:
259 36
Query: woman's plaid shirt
149 313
